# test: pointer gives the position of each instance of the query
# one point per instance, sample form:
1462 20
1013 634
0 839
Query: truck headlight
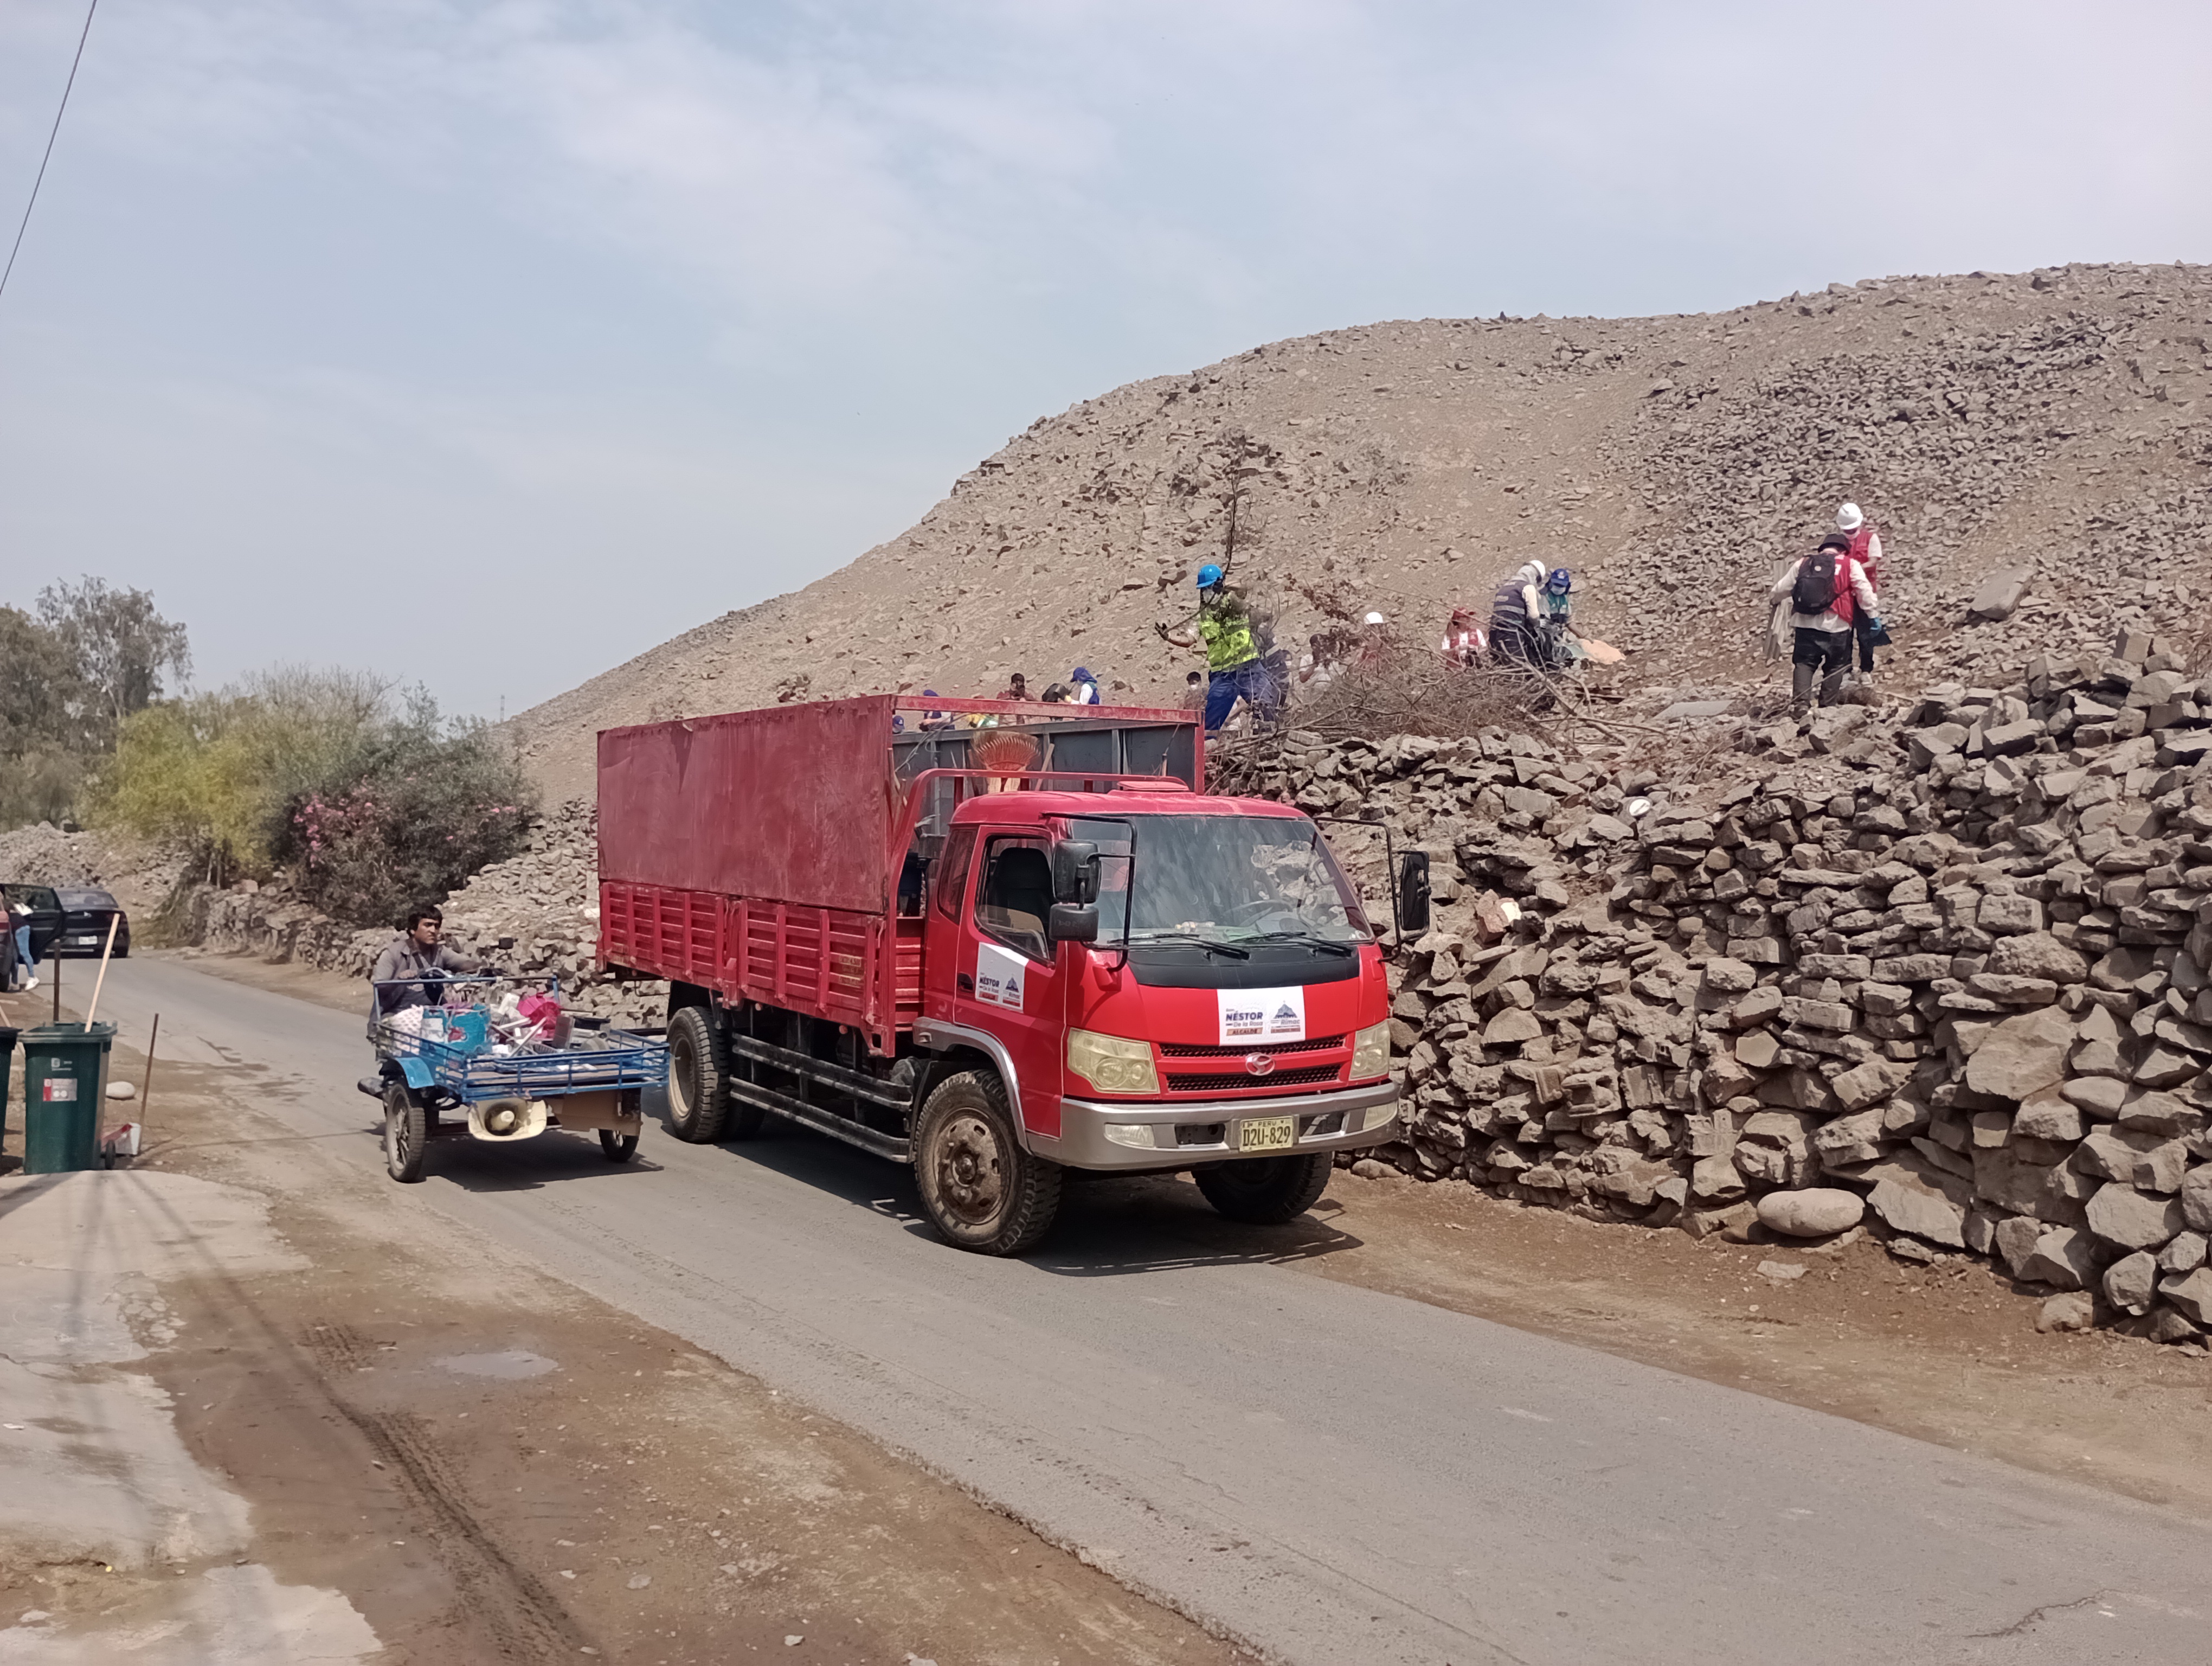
1113 1065
1371 1052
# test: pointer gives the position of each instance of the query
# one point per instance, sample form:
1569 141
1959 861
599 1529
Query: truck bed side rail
864 969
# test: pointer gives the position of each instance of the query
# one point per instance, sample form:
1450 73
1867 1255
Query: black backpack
1819 580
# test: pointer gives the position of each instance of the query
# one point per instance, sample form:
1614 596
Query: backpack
1819 579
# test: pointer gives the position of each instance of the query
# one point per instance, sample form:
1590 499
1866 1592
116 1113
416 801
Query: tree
40 758
119 646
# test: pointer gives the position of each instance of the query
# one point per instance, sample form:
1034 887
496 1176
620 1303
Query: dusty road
1335 1474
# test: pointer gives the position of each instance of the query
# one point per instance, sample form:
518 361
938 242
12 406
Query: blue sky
487 344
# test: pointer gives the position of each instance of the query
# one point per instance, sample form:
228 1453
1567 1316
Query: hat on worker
1375 618
1849 519
1208 576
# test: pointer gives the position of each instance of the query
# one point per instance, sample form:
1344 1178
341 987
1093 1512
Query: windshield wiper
1329 944
1211 945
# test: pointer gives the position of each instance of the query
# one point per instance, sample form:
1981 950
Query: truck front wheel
698 1077
1266 1191
979 1188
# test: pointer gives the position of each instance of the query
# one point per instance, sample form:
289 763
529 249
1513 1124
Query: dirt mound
2047 420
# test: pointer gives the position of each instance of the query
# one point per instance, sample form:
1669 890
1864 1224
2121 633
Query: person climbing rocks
1234 666
1827 591
1866 550
1516 618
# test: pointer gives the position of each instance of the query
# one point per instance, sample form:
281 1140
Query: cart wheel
406 1134
617 1147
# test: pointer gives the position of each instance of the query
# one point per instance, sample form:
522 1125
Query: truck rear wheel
698 1076
1266 1191
979 1188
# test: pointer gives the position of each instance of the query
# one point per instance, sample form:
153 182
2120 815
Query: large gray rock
2003 913
1716 1178
2196 1198
2135 1156
2013 1241
2131 1282
2120 1215
2052 1119
2038 954
2073 1310
1510 1027
2021 1056
1870 1083
1814 1213
2001 592
1924 1214
2191 1293
2063 1257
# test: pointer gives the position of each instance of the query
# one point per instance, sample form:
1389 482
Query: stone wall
1942 970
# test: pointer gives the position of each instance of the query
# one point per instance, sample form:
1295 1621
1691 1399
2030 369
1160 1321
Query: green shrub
410 811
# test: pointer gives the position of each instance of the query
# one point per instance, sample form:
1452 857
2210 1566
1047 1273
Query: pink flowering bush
404 817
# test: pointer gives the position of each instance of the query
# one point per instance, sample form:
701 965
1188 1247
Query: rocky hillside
2050 422
1942 971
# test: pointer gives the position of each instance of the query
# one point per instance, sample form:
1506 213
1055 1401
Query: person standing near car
415 961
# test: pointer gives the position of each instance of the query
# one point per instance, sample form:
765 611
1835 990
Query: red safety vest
1862 541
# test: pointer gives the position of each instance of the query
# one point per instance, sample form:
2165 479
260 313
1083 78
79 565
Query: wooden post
146 1083
100 983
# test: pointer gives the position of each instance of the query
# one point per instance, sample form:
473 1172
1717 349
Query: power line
52 135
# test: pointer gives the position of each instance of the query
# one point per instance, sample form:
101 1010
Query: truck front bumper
1190 1132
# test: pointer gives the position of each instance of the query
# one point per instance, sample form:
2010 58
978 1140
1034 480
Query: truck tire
1266 1191
698 1076
978 1188
406 1134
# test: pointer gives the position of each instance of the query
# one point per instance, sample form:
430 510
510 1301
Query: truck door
1008 980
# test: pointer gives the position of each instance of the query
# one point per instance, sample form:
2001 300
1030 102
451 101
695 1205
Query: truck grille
1187 1050
1210 1082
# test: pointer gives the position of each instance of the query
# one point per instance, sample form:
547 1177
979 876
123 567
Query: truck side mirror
1075 872
1073 923
1412 892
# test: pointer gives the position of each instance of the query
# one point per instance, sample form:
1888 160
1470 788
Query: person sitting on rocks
1827 591
413 965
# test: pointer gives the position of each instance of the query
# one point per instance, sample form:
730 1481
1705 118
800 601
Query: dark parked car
68 922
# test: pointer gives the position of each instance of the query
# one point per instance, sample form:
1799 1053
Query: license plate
1268 1134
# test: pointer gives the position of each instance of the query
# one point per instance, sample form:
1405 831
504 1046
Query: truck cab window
1015 898
952 872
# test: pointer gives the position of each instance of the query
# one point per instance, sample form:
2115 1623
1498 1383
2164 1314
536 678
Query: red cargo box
756 854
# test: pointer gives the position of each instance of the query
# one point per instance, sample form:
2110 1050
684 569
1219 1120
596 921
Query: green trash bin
64 1073
7 1064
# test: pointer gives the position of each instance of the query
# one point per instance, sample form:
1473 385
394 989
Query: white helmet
1375 618
1849 519
1533 573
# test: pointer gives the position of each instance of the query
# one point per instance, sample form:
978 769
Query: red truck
997 953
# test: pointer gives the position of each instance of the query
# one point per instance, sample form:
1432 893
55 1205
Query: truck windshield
1227 879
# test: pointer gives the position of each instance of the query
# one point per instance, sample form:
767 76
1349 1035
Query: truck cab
1068 965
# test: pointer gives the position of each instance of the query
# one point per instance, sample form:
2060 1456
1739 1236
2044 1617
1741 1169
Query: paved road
1341 1477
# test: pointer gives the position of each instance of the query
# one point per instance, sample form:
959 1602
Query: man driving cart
413 965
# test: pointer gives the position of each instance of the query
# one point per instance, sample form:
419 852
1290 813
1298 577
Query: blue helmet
1209 575
1560 582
